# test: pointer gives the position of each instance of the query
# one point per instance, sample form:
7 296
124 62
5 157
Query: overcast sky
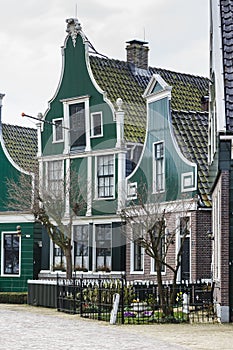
32 32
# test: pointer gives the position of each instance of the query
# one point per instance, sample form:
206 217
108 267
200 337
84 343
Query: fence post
122 301
99 299
74 295
81 295
58 301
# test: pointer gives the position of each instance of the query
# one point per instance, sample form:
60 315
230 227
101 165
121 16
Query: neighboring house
20 236
220 153
114 123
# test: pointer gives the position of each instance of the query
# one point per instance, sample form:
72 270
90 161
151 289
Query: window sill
14 276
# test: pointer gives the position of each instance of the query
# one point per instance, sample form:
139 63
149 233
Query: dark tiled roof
226 9
120 79
21 143
191 131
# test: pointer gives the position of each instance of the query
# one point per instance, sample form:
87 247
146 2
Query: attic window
77 125
187 182
159 167
57 130
96 125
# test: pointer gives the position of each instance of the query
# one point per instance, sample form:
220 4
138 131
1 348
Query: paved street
26 327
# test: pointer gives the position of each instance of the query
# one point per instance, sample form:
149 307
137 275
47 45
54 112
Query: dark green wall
17 284
76 82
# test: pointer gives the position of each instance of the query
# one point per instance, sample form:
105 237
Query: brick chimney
137 53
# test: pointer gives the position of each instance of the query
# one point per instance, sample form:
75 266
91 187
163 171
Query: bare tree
151 215
53 206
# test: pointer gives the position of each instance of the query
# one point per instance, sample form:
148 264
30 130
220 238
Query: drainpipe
121 155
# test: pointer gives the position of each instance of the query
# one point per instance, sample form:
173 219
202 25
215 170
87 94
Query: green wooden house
20 236
117 124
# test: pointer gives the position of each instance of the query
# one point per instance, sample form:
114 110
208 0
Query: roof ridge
150 67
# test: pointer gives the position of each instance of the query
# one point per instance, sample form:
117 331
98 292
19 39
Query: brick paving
27 327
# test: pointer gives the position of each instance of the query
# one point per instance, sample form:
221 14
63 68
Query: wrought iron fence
139 302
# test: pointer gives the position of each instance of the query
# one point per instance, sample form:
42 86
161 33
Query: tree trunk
161 290
68 256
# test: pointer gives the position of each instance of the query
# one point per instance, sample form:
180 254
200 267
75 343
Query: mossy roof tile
21 144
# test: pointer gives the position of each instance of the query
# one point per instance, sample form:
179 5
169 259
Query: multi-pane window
57 130
96 124
59 262
77 125
81 247
55 176
137 250
105 177
11 254
103 246
159 167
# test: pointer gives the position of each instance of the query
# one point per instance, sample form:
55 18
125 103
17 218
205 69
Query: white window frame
94 255
96 178
61 257
92 124
2 254
187 182
55 140
66 104
46 174
88 245
132 254
155 162
132 190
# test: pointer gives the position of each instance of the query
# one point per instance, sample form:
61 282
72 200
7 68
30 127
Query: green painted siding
17 284
158 131
76 82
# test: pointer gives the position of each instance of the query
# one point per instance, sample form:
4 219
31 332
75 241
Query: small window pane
105 176
11 254
58 130
96 124
159 167
81 247
103 246
77 125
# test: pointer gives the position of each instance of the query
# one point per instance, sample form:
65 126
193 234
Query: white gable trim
166 89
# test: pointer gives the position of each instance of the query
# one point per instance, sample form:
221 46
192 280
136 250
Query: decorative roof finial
119 104
73 28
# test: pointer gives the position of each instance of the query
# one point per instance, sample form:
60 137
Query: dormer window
58 130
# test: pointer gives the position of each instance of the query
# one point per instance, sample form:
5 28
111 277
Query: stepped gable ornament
73 28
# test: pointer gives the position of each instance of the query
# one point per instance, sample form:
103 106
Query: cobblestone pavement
26 327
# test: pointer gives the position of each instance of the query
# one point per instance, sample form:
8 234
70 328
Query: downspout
121 155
